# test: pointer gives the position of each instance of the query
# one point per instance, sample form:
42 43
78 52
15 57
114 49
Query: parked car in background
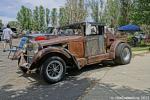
136 39
75 46
147 38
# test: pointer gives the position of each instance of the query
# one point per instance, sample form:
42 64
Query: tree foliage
54 17
63 19
24 17
97 10
1 24
75 11
141 14
112 12
36 19
47 17
125 11
41 18
14 24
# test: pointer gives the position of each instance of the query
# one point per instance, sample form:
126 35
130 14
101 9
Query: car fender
51 51
113 48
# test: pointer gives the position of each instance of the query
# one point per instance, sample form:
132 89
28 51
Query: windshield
67 32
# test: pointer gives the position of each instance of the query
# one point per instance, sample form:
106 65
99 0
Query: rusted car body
75 46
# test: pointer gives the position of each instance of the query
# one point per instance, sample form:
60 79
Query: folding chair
14 49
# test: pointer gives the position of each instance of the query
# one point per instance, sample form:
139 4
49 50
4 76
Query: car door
94 41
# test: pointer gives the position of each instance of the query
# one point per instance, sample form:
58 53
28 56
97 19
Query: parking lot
129 82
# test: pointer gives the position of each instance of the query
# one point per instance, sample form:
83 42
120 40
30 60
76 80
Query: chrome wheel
54 69
126 54
123 54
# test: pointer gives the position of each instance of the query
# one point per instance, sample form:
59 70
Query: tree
63 20
21 17
125 11
29 19
97 10
140 14
47 17
75 11
14 24
81 12
1 24
24 18
112 12
41 18
36 19
54 17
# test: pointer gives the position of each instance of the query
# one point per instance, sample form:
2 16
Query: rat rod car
74 46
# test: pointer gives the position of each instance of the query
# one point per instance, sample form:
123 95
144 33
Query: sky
9 8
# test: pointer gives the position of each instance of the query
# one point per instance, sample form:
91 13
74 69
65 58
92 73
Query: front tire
53 70
123 54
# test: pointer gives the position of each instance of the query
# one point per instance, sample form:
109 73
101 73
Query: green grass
143 48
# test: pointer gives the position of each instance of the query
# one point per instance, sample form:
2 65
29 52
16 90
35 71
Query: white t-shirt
7 33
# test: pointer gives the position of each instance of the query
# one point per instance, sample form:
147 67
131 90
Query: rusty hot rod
74 46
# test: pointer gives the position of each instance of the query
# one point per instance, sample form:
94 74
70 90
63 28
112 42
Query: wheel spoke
53 65
57 71
55 74
50 69
57 67
52 74
54 69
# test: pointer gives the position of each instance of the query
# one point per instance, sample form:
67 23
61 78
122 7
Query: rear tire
53 70
123 54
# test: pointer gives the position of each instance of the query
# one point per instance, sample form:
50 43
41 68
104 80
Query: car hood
59 39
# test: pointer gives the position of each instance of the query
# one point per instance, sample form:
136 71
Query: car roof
77 25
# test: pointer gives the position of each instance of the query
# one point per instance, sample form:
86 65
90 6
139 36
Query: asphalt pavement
128 82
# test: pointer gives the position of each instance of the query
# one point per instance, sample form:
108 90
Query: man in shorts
7 37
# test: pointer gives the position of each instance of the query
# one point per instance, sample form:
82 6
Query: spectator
7 37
